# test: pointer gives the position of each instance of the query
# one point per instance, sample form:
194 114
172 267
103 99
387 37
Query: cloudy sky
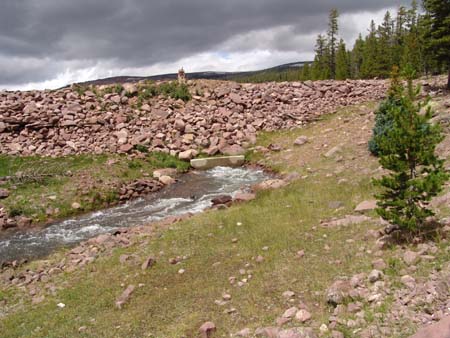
50 43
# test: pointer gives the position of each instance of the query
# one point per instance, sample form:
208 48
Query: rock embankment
223 118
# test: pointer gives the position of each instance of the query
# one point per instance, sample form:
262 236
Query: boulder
244 197
165 172
301 140
232 150
441 329
338 292
207 330
224 199
4 193
187 155
366 206
124 297
166 180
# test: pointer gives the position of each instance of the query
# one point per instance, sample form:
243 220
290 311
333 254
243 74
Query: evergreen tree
357 55
332 40
408 152
370 53
385 43
438 38
306 72
412 50
320 68
342 62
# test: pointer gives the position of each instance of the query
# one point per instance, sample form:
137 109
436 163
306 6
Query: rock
4 193
408 281
411 257
375 275
223 161
187 155
269 184
166 180
379 264
234 150
338 292
76 205
243 333
124 297
179 125
130 88
302 315
337 334
223 199
366 206
244 197
207 330
165 172
333 152
440 329
297 332
126 148
23 222
301 140
290 313
288 294
62 122
149 262
267 332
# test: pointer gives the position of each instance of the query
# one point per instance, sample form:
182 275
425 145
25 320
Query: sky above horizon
52 43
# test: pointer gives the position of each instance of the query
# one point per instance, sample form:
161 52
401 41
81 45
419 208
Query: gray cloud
41 39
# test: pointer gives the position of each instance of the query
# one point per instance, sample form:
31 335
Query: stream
191 194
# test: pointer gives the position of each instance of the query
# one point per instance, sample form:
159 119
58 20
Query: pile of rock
139 188
224 119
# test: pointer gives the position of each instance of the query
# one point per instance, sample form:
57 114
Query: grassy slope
287 220
91 180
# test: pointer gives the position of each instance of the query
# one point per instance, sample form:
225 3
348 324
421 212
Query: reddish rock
244 197
440 329
124 297
224 199
4 194
207 330
149 262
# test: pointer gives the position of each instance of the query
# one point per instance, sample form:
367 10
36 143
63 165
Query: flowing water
192 193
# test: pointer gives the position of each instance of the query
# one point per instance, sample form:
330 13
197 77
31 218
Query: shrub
407 150
383 123
383 118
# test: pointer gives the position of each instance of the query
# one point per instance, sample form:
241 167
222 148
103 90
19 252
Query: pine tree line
410 38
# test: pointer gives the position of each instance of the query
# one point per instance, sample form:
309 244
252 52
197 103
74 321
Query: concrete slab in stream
224 161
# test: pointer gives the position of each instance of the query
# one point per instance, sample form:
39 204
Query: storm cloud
49 43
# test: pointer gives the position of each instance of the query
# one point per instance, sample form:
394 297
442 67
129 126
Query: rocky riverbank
222 117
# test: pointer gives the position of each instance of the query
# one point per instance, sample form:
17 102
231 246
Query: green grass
178 304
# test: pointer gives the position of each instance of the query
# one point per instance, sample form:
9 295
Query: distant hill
274 73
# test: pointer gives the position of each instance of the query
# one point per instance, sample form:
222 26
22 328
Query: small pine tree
342 62
408 152
383 118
